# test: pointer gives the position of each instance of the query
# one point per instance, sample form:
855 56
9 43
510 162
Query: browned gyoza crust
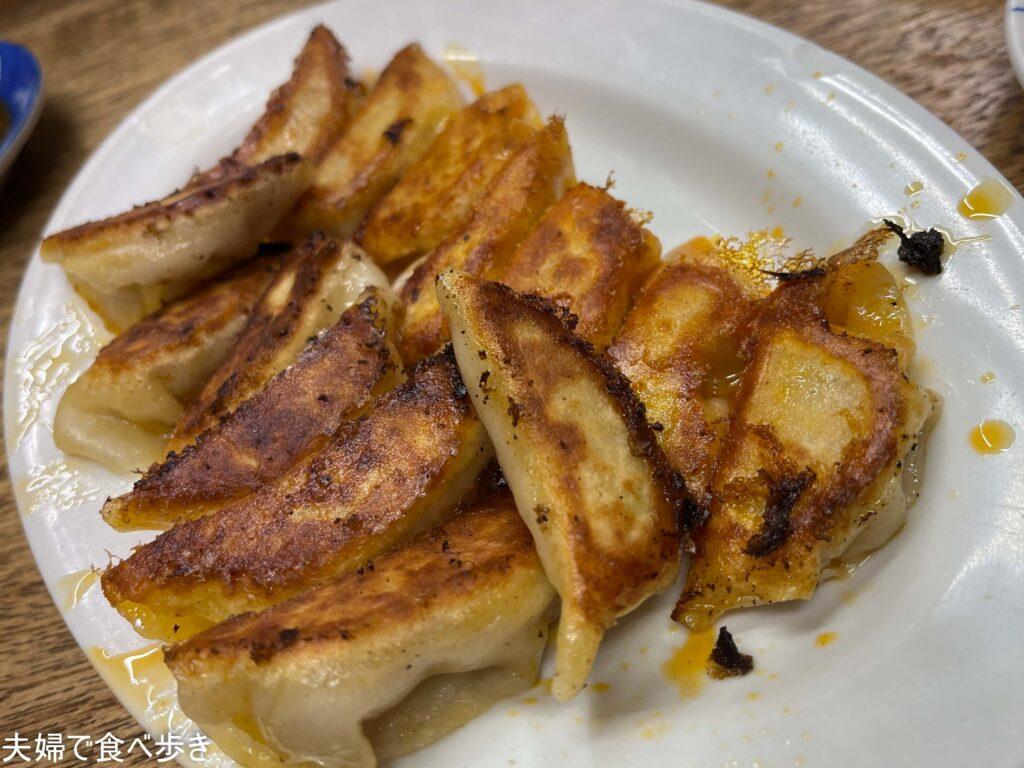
589 254
436 196
295 416
395 471
779 507
532 179
337 671
685 328
603 503
306 114
436 570
126 265
272 338
395 125
120 410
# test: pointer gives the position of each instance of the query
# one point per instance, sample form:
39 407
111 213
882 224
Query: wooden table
102 57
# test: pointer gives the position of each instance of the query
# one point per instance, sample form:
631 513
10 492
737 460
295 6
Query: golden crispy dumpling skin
437 194
127 266
332 381
590 255
304 115
680 349
399 469
121 409
533 179
401 117
387 659
320 280
593 486
825 424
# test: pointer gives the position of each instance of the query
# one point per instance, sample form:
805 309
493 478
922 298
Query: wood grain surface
102 57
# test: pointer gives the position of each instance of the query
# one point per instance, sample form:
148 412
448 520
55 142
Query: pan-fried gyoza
318 282
128 265
437 194
533 178
826 424
680 349
400 118
298 412
359 557
305 115
588 254
121 410
392 473
384 660
583 464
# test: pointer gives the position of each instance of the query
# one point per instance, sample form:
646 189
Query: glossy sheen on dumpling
295 416
320 280
127 266
588 254
399 469
533 178
306 114
399 119
680 349
305 676
586 471
120 411
437 194
825 425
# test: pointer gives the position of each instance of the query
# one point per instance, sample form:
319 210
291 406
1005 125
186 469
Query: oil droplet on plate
73 586
600 687
143 681
753 696
825 638
465 66
992 436
988 377
988 199
687 666
913 188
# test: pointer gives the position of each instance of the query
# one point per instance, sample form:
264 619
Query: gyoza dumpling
121 410
533 178
399 119
306 114
386 660
825 425
680 349
127 266
319 281
437 194
399 469
589 254
597 493
297 413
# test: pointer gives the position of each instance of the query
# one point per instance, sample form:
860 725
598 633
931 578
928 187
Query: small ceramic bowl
21 99
1015 36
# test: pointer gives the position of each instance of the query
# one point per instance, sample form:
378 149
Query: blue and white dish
21 97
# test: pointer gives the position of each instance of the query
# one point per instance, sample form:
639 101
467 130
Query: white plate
716 123
1015 36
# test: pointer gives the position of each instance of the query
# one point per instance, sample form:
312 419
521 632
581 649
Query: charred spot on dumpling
726 660
783 494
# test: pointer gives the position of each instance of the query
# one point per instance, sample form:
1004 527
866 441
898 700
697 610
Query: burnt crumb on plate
921 250
726 660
